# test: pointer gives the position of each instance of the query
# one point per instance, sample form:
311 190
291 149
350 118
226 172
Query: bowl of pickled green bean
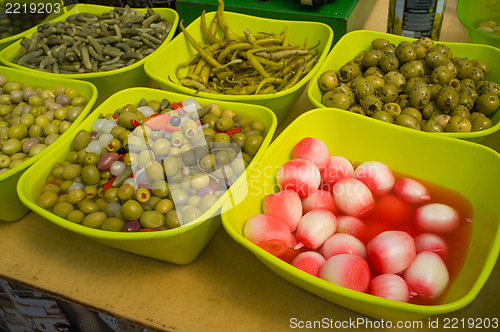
149 171
244 59
448 89
36 114
103 45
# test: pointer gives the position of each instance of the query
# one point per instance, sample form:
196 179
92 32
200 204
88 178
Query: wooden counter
225 289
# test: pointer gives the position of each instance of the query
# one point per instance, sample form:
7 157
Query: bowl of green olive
36 113
149 171
482 22
448 89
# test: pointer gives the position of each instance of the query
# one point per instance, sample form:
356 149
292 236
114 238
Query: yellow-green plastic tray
180 245
469 168
354 42
107 82
161 67
10 206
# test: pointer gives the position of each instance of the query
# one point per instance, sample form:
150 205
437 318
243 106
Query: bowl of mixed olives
482 22
149 171
35 115
447 88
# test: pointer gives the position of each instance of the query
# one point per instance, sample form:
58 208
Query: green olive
252 144
152 219
460 111
458 124
411 69
210 120
338 100
487 103
371 104
94 219
62 209
47 199
172 219
76 216
389 63
432 125
477 76
395 78
348 72
11 146
407 121
420 95
435 59
379 43
362 87
18 131
384 116
223 124
480 123
388 93
113 224
372 57
131 210
392 108
90 175
405 52
447 98
490 87
413 112
483 66
328 80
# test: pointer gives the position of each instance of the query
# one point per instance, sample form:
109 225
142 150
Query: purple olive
131 226
27 94
29 143
107 160
205 191
63 99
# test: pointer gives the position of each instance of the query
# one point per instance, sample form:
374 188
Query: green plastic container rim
151 73
78 8
462 17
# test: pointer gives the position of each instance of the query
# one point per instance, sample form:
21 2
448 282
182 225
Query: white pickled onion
146 111
117 167
76 185
104 139
94 146
190 105
132 182
108 125
96 125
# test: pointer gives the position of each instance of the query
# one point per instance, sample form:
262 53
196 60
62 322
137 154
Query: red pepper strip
157 121
198 123
176 105
148 230
121 156
109 184
170 128
135 123
230 132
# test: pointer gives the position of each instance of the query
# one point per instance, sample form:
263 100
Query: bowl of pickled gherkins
450 89
106 46
149 171
482 22
236 57
36 113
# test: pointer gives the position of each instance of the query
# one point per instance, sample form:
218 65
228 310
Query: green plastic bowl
354 42
10 206
180 245
179 50
107 82
471 14
4 42
449 162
